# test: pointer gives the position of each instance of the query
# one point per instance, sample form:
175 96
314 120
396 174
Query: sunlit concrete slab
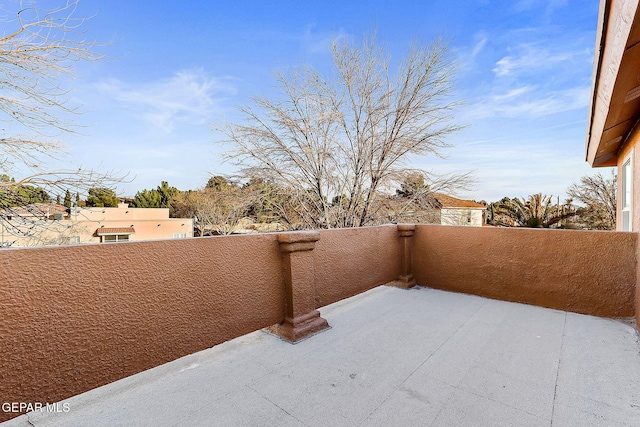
391 357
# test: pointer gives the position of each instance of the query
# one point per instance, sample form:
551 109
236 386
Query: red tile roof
452 202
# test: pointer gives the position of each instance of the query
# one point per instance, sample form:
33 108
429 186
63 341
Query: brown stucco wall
74 318
351 261
581 271
637 299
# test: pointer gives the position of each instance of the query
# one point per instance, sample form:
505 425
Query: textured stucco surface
351 261
74 318
631 149
637 299
581 271
77 317
637 306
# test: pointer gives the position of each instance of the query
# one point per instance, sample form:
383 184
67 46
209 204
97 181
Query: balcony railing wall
74 318
77 317
590 272
352 261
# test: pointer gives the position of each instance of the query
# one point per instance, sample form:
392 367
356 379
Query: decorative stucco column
406 280
301 317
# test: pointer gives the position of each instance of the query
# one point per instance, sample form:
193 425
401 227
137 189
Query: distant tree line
23 194
12 195
222 204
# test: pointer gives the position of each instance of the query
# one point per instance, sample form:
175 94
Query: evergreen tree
102 197
147 199
67 199
155 198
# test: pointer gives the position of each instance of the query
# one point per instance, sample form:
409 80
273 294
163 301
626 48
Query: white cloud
477 48
189 96
551 5
514 166
528 102
553 103
532 80
319 42
513 93
528 57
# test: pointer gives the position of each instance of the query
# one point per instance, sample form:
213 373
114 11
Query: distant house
38 210
438 208
453 211
45 224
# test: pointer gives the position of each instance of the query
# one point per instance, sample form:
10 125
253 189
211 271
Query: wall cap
298 241
406 230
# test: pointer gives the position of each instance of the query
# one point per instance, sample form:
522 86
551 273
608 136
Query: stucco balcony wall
589 272
77 317
352 261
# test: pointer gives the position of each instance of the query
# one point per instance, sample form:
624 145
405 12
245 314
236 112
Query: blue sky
179 69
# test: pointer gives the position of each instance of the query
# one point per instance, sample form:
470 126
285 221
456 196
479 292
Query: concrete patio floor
393 357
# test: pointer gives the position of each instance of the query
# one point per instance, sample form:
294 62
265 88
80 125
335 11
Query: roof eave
608 124
603 17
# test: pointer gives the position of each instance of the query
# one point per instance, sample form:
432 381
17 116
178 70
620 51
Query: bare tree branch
598 195
39 50
340 140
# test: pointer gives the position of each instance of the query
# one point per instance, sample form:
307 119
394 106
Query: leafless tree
38 53
598 195
342 140
39 49
215 211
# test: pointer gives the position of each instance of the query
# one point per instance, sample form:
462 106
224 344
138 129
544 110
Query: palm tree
538 211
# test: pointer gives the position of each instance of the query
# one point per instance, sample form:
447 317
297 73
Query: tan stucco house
51 224
613 131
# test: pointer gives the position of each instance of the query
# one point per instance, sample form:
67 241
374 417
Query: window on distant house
74 240
627 195
114 238
181 235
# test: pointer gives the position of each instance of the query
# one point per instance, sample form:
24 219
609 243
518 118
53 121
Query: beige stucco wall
122 213
591 272
460 216
149 224
631 150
